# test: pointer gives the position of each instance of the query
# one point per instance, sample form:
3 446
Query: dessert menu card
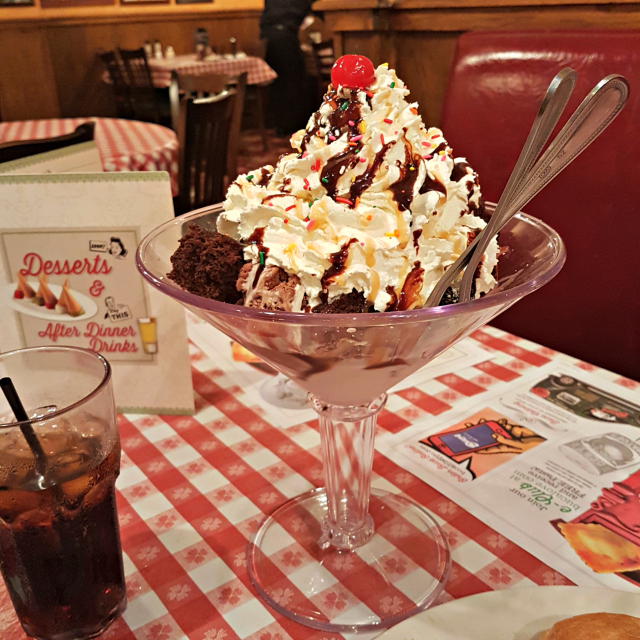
77 158
68 277
551 461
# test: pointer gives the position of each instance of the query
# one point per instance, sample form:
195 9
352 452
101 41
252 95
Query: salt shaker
148 49
169 53
157 50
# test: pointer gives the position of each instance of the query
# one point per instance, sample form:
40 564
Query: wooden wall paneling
519 18
27 85
339 5
430 4
423 64
78 72
378 47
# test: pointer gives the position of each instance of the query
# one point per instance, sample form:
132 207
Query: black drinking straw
29 434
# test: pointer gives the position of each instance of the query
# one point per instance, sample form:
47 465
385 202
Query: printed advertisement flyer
68 277
552 462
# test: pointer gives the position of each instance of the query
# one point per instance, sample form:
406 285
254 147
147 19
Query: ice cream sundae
364 215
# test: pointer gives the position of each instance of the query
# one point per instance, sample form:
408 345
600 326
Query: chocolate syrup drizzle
402 189
365 180
274 195
411 287
347 111
441 147
460 171
432 184
256 238
332 171
340 117
264 179
338 263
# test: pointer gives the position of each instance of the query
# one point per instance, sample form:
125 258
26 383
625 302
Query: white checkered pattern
194 489
124 145
258 71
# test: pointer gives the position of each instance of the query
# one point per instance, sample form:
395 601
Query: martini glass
348 558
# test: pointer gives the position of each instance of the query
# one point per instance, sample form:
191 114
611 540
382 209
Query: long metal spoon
595 113
551 108
590 119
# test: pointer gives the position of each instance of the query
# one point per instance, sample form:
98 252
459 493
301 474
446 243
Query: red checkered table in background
124 145
193 489
258 71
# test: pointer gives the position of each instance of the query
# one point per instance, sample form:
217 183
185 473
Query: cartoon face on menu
117 249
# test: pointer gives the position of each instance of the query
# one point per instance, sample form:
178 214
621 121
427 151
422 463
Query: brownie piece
353 302
207 264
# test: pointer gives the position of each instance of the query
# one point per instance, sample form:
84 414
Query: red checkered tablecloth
258 70
124 145
193 489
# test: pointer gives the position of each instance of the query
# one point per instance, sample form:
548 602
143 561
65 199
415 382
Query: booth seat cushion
592 309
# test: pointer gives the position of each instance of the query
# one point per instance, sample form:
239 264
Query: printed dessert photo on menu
75 287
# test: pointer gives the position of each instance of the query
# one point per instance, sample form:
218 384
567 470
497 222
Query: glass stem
347 435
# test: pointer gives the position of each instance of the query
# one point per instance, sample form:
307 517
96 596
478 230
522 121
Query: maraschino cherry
353 72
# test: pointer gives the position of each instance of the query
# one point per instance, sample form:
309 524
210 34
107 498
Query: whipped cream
369 200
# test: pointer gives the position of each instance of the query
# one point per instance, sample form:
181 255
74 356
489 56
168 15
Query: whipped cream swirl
370 200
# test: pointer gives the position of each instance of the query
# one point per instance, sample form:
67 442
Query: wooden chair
204 137
119 83
193 86
25 148
240 85
324 58
591 310
144 101
206 85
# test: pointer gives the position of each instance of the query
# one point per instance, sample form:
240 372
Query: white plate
510 614
29 308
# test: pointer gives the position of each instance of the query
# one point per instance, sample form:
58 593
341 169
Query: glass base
399 572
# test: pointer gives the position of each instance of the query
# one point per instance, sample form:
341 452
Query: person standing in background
290 94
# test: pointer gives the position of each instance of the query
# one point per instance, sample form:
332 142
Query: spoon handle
551 108
548 114
591 118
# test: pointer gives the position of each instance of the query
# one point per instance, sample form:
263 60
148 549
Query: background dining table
192 490
124 145
258 71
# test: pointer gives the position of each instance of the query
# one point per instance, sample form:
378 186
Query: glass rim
344 319
87 352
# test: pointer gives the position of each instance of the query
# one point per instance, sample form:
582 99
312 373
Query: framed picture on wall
191 1
16 3
50 4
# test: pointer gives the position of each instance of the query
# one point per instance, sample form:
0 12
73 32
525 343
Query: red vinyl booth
591 310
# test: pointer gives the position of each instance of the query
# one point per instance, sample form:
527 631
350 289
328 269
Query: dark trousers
290 94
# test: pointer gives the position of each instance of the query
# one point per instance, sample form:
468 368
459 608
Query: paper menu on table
71 240
77 158
551 461
281 401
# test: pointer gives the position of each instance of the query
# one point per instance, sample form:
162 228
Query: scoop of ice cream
370 201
